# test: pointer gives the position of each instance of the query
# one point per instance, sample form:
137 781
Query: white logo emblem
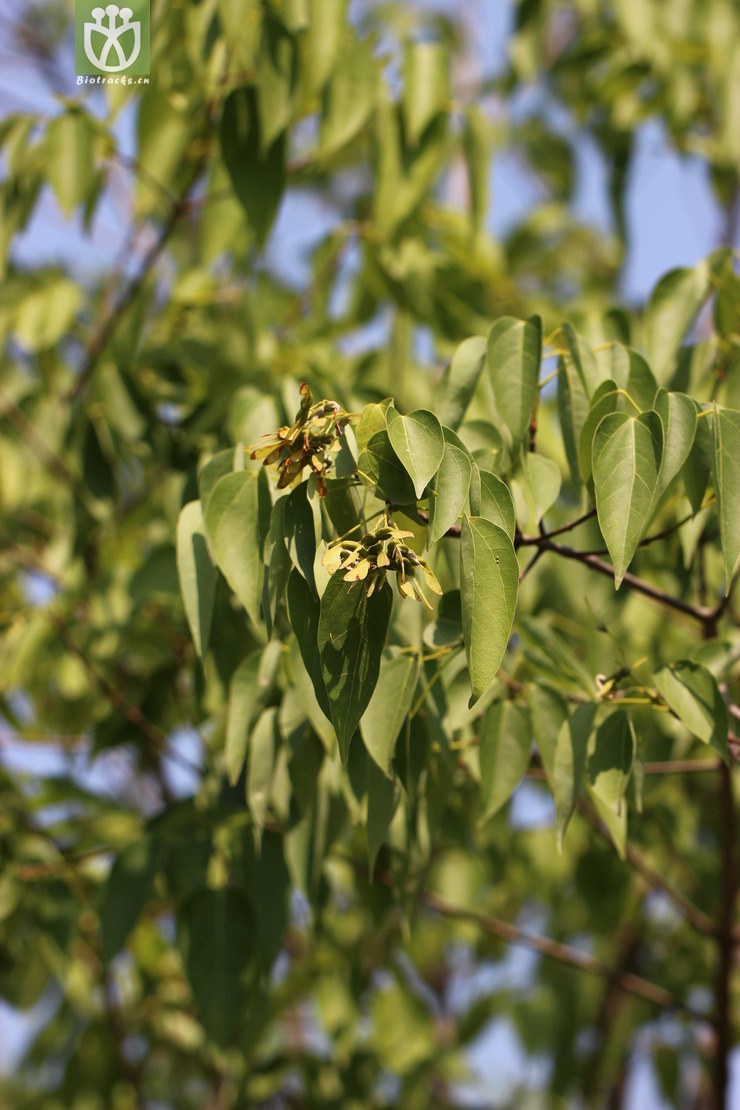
111 33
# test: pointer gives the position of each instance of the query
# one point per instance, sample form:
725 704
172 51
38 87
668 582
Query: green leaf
278 564
237 522
349 98
548 711
261 754
505 749
699 464
304 612
478 149
380 463
449 491
128 888
578 380
614 821
216 468
514 355
671 310
419 443
249 688
542 481
351 637
196 573
603 402
626 464
324 35
216 936
489 585
691 691
460 379
426 86
382 800
496 503
302 529
275 81
727 486
258 177
611 760
677 414
569 763
389 706
69 158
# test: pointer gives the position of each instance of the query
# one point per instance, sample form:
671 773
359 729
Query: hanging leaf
380 463
261 755
489 582
351 637
569 763
672 309
449 491
216 936
727 486
626 463
691 691
349 98
478 150
302 529
237 523
127 890
196 573
382 800
542 483
257 176
603 402
249 689
505 749
611 760
389 706
69 158
419 443
460 379
304 612
496 503
514 355
426 86
677 414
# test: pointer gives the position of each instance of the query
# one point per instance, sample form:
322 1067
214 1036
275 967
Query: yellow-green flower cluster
312 440
378 553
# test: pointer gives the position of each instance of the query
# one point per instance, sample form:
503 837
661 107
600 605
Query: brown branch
700 613
653 879
152 733
726 941
571 957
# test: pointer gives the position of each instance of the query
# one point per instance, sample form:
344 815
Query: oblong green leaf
496 503
672 308
381 465
460 379
449 491
505 749
611 760
691 692
304 612
351 637
257 176
419 443
127 890
389 706
196 573
302 529
569 763
677 414
489 586
626 463
216 936
727 486
237 522
426 86
514 355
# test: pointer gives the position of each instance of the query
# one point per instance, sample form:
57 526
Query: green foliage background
323 916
